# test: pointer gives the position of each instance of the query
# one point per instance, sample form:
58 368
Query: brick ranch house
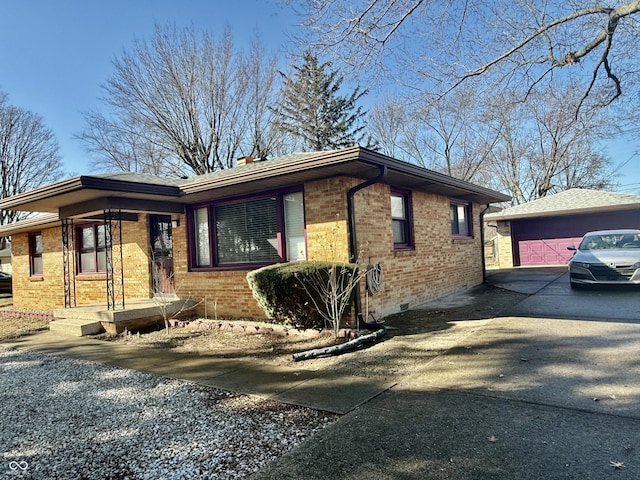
111 239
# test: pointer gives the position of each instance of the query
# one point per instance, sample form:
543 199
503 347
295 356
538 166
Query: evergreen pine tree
313 111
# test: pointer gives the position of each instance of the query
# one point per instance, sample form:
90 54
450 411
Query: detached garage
538 232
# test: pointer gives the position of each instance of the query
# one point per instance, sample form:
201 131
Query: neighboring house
5 259
538 232
113 238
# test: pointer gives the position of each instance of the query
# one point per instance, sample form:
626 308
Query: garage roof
570 202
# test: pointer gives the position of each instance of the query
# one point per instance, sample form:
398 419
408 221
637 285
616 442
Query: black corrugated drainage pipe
353 241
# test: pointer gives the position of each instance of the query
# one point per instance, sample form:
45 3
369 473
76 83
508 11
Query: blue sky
55 54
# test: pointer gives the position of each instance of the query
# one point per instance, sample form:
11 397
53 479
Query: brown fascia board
89 183
124 204
422 178
30 224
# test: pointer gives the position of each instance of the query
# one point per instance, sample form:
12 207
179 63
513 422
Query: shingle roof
140 178
572 201
249 167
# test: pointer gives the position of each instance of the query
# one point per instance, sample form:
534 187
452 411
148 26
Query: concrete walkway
326 391
522 397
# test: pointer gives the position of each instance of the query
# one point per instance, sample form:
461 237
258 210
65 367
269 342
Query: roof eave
421 178
563 212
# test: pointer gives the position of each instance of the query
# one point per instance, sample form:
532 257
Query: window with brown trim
35 254
461 220
401 220
249 232
92 252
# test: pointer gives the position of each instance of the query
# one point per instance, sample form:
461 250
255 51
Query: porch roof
85 195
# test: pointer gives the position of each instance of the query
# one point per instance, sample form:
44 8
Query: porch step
76 327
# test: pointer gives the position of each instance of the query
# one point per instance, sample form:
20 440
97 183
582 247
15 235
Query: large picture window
401 220
93 254
461 220
35 254
256 231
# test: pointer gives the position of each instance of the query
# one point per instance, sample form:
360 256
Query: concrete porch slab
75 326
138 313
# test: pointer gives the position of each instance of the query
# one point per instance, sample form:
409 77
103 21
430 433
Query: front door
162 275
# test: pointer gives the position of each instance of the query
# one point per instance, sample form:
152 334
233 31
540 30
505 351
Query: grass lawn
15 324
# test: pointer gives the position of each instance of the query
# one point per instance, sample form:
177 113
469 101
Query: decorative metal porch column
114 264
68 263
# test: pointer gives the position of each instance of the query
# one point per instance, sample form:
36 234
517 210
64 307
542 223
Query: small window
35 253
460 220
93 251
401 220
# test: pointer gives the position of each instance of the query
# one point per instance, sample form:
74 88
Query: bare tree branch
450 44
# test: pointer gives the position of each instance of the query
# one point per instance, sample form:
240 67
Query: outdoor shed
117 238
538 232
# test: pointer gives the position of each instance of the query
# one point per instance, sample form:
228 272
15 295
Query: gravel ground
64 419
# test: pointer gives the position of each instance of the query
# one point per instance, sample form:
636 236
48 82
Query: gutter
353 241
484 267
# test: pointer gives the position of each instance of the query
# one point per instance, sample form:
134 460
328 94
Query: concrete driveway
548 390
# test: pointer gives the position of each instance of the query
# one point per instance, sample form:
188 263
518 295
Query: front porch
138 313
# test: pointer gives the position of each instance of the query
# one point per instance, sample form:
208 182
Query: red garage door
551 251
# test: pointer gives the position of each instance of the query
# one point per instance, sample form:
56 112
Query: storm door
162 275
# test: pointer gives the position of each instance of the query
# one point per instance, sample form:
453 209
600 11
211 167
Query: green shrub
279 290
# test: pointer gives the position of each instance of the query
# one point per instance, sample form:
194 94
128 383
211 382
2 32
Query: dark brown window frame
34 254
95 249
468 211
210 207
407 220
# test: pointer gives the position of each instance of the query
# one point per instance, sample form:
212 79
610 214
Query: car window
609 242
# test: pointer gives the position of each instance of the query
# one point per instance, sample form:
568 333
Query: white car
606 257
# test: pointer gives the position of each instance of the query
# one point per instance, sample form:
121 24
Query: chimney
244 161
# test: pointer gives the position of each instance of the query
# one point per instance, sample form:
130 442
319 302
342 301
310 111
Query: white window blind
201 222
247 232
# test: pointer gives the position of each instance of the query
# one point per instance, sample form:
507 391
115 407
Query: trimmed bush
279 290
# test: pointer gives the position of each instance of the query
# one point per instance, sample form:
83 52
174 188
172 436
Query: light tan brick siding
438 265
505 249
47 291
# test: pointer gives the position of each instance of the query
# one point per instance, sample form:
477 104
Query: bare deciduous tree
121 145
28 154
543 148
387 124
458 141
183 96
529 149
513 43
